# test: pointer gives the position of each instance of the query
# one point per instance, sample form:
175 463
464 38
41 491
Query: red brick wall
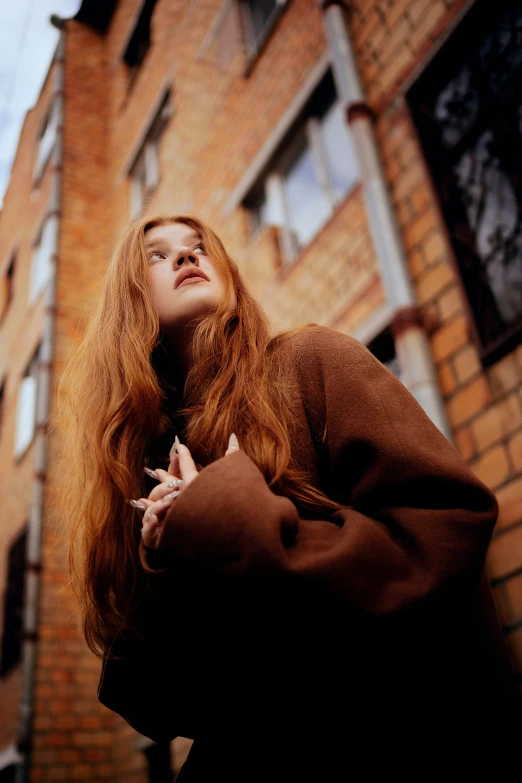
222 119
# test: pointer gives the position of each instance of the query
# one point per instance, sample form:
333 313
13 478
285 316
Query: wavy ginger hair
120 402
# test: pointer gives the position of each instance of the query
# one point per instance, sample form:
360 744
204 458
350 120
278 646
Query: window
6 293
259 17
467 107
13 606
139 42
310 174
47 138
144 172
383 348
26 410
42 257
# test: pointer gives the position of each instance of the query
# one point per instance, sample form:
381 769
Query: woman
316 590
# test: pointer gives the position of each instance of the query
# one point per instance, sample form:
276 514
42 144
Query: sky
27 44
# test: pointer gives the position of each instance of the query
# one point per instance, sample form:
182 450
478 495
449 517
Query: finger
173 467
168 485
187 466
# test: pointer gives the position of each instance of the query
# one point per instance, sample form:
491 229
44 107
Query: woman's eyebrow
155 243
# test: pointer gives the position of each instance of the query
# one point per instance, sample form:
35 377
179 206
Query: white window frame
47 138
26 406
144 173
42 258
274 187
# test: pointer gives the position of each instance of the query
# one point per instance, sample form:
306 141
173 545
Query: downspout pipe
33 559
411 342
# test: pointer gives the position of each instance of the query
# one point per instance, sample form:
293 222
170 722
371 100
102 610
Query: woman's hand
181 472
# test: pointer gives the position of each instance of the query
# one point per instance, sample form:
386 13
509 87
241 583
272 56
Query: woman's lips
195 279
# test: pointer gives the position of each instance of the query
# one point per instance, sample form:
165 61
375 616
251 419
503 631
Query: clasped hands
180 473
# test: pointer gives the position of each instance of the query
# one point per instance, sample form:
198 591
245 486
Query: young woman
301 575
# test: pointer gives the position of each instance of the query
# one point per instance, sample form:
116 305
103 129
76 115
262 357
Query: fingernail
233 442
151 473
135 504
171 495
175 483
174 446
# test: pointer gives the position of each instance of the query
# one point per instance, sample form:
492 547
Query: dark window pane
260 13
13 606
139 41
383 348
467 107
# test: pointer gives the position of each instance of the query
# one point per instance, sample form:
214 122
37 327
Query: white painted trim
274 140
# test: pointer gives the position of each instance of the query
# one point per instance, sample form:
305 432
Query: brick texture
222 120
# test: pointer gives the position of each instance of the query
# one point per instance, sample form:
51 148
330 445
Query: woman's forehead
171 232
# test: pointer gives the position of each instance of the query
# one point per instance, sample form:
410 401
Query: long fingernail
151 473
174 446
233 442
172 495
175 483
135 504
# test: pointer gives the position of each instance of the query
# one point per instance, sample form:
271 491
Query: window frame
36 288
13 596
306 127
50 125
254 44
8 283
133 69
27 390
458 51
144 172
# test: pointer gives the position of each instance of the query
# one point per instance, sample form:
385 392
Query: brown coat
281 644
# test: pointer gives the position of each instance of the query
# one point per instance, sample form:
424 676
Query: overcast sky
27 44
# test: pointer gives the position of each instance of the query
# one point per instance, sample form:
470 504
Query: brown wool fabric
283 645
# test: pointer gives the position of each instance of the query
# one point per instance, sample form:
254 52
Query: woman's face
184 282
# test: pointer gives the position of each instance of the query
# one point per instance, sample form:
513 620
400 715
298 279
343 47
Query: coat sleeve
414 518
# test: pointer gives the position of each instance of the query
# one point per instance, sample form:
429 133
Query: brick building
378 143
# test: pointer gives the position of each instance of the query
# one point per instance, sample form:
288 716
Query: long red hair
123 403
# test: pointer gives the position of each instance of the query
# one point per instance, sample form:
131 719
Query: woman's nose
184 254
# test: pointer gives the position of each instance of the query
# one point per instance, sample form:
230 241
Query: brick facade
222 120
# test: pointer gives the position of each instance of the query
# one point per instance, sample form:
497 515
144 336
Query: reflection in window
308 204
468 107
260 17
47 139
26 408
309 175
42 259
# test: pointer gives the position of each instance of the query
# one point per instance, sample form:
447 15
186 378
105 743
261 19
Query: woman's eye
200 247
156 254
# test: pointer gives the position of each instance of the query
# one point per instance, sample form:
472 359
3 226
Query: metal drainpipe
34 531
407 325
